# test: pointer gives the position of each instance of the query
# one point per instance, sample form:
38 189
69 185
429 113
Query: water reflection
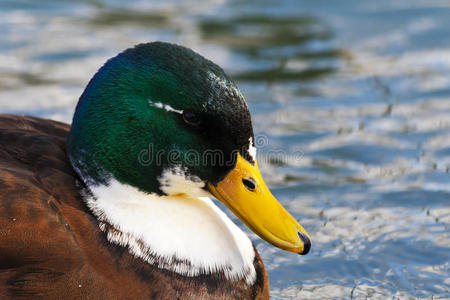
280 43
119 17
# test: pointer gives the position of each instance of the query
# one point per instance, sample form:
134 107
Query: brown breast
50 244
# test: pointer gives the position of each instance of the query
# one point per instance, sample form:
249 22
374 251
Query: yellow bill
244 192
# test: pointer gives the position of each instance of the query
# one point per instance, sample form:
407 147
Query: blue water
350 103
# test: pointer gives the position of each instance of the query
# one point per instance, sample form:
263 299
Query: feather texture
51 246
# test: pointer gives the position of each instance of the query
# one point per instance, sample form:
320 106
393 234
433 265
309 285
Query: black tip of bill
306 243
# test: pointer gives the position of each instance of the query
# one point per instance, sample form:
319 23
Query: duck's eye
249 183
191 118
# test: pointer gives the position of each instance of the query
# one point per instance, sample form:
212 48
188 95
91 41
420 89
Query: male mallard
157 130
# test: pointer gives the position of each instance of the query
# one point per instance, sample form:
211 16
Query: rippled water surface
360 88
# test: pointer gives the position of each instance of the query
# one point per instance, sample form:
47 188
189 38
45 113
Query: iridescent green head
155 107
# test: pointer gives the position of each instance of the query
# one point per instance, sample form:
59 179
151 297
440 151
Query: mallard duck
118 205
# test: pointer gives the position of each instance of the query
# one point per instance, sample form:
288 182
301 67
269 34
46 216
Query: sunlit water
355 95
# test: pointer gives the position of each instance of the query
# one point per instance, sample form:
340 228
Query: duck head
165 120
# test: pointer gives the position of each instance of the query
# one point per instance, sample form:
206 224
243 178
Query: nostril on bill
249 183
